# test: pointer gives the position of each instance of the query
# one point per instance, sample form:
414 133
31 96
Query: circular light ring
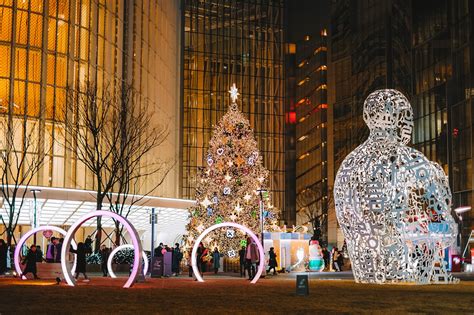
137 245
19 245
227 224
119 248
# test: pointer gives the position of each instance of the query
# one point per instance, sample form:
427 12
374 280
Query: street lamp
35 214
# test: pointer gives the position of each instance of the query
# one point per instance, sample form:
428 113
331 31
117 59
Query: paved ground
221 295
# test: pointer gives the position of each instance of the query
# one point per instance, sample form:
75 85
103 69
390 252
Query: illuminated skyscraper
48 47
311 108
228 42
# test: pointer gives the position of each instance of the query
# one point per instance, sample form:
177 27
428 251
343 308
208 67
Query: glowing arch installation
227 224
16 255
137 246
115 251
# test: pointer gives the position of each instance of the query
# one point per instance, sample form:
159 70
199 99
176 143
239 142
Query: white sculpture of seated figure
392 203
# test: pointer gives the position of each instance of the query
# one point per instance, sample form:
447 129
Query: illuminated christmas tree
228 189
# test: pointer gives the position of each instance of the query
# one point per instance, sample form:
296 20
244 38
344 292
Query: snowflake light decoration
392 203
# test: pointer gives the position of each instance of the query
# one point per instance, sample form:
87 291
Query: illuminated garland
227 189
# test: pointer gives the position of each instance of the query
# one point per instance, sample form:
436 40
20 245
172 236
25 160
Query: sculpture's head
390 111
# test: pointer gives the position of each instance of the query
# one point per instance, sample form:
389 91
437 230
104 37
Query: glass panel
36 30
34 65
21 27
5 61
5 24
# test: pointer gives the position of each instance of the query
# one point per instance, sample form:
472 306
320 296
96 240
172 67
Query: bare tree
314 205
139 138
93 134
23 153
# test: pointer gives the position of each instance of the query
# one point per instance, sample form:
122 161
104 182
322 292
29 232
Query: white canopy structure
62 207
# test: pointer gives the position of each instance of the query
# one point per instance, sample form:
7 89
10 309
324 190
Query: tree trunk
118 234
98 235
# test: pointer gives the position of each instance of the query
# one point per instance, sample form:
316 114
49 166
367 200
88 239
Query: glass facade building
228 42
425 50
370 50
50 47
311 108
443 98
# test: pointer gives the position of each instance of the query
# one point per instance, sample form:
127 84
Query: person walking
158 250
30 261
51 250
104 257
340 260
242 261
80 260
58 247
176 259
201 256
190 265
88 245
335 259
216 257
39 254
251 257
3 256
326 257
272 261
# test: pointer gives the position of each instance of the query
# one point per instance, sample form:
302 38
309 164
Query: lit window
291 48
300 102
324 32
320 49
304 156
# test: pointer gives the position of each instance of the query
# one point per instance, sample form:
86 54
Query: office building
228 42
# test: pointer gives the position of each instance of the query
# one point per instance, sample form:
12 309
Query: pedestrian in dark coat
176 259
104 257
3 256
272 261
242 261
216 257
80 260
30 261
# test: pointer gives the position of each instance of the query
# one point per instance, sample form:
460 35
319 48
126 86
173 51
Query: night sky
306 17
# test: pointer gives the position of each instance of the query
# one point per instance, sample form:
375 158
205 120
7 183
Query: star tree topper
234 93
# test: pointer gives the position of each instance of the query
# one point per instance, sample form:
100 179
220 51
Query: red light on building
323 106
291 118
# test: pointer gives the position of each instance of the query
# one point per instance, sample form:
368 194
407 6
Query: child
30 261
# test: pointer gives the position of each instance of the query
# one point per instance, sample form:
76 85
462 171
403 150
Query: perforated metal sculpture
392 203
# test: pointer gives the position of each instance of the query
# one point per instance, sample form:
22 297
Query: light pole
261 191
153 220
35 219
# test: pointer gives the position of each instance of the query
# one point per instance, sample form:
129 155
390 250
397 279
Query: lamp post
35 219
153 219
261 191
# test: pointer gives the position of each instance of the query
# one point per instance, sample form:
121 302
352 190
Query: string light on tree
233 173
